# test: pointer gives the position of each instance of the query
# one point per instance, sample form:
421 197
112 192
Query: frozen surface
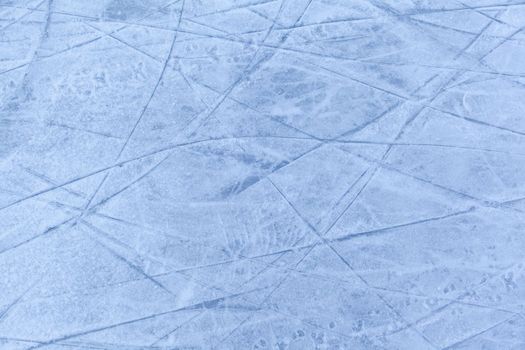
262 174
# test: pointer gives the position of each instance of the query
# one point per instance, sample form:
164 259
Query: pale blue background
262 174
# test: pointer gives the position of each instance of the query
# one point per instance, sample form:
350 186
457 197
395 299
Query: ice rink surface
262 174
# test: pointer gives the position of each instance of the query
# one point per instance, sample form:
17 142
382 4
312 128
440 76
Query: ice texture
262 174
